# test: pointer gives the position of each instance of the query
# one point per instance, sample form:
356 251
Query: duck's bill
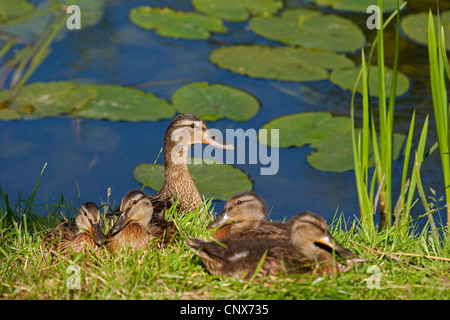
217 142
120 223
330 242
222 219
97 234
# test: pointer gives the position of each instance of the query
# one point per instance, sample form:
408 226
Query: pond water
85 157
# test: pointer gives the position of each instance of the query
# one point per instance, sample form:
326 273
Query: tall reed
438 64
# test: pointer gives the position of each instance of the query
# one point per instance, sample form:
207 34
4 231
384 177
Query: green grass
175 273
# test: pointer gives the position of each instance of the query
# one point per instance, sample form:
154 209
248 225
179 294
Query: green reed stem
440 105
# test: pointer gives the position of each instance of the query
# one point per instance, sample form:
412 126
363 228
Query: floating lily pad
311 29
118 103
9 114
346 78
304 128
358 5
54 98
280 63
415 26
237 10
212 102
10 9
335 152
218 181
176 24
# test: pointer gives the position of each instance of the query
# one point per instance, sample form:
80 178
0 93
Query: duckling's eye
192 125
134 202
239 202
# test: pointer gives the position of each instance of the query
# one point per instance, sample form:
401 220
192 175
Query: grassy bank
411 267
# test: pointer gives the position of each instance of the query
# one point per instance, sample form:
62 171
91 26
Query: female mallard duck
82 234
243 217
184 131
137 227
312 249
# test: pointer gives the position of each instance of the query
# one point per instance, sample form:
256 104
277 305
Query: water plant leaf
345 78
357 5
215 101
280 63
117 103
415 26
219 181
237 10
10 9
176 24
334 153
311 29
304 128
9 114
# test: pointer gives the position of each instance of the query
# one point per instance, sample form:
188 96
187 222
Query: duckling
137 226
82 234
310 250
184 131
243 217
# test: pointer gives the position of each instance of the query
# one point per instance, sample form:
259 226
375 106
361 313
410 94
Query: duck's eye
213 138
133 202
192 125
239 202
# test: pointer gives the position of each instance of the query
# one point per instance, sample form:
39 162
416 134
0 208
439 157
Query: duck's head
310 235
136 207
88 220
186 130
243 207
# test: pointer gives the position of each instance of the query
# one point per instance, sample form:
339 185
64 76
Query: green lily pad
54 98
335 152
311 29
116 103
345 78
358 5
218 181
11 9
280 63
415 26
304 128
237 10
176 24
212 102
9 114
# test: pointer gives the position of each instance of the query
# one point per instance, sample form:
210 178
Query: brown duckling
137 227
184 131
312 249
82 234
244 217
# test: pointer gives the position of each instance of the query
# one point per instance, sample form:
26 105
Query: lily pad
10 9
280 63
358 5
311 29
176 24
218 181
304 128
54 98
216 101
345 78
415 26
335 152
116 103
237 10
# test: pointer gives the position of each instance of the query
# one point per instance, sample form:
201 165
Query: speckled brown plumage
184 131
82 234
243 217
137 228
309 251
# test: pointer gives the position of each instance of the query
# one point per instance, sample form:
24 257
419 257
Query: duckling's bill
222 219
121 222
97 234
